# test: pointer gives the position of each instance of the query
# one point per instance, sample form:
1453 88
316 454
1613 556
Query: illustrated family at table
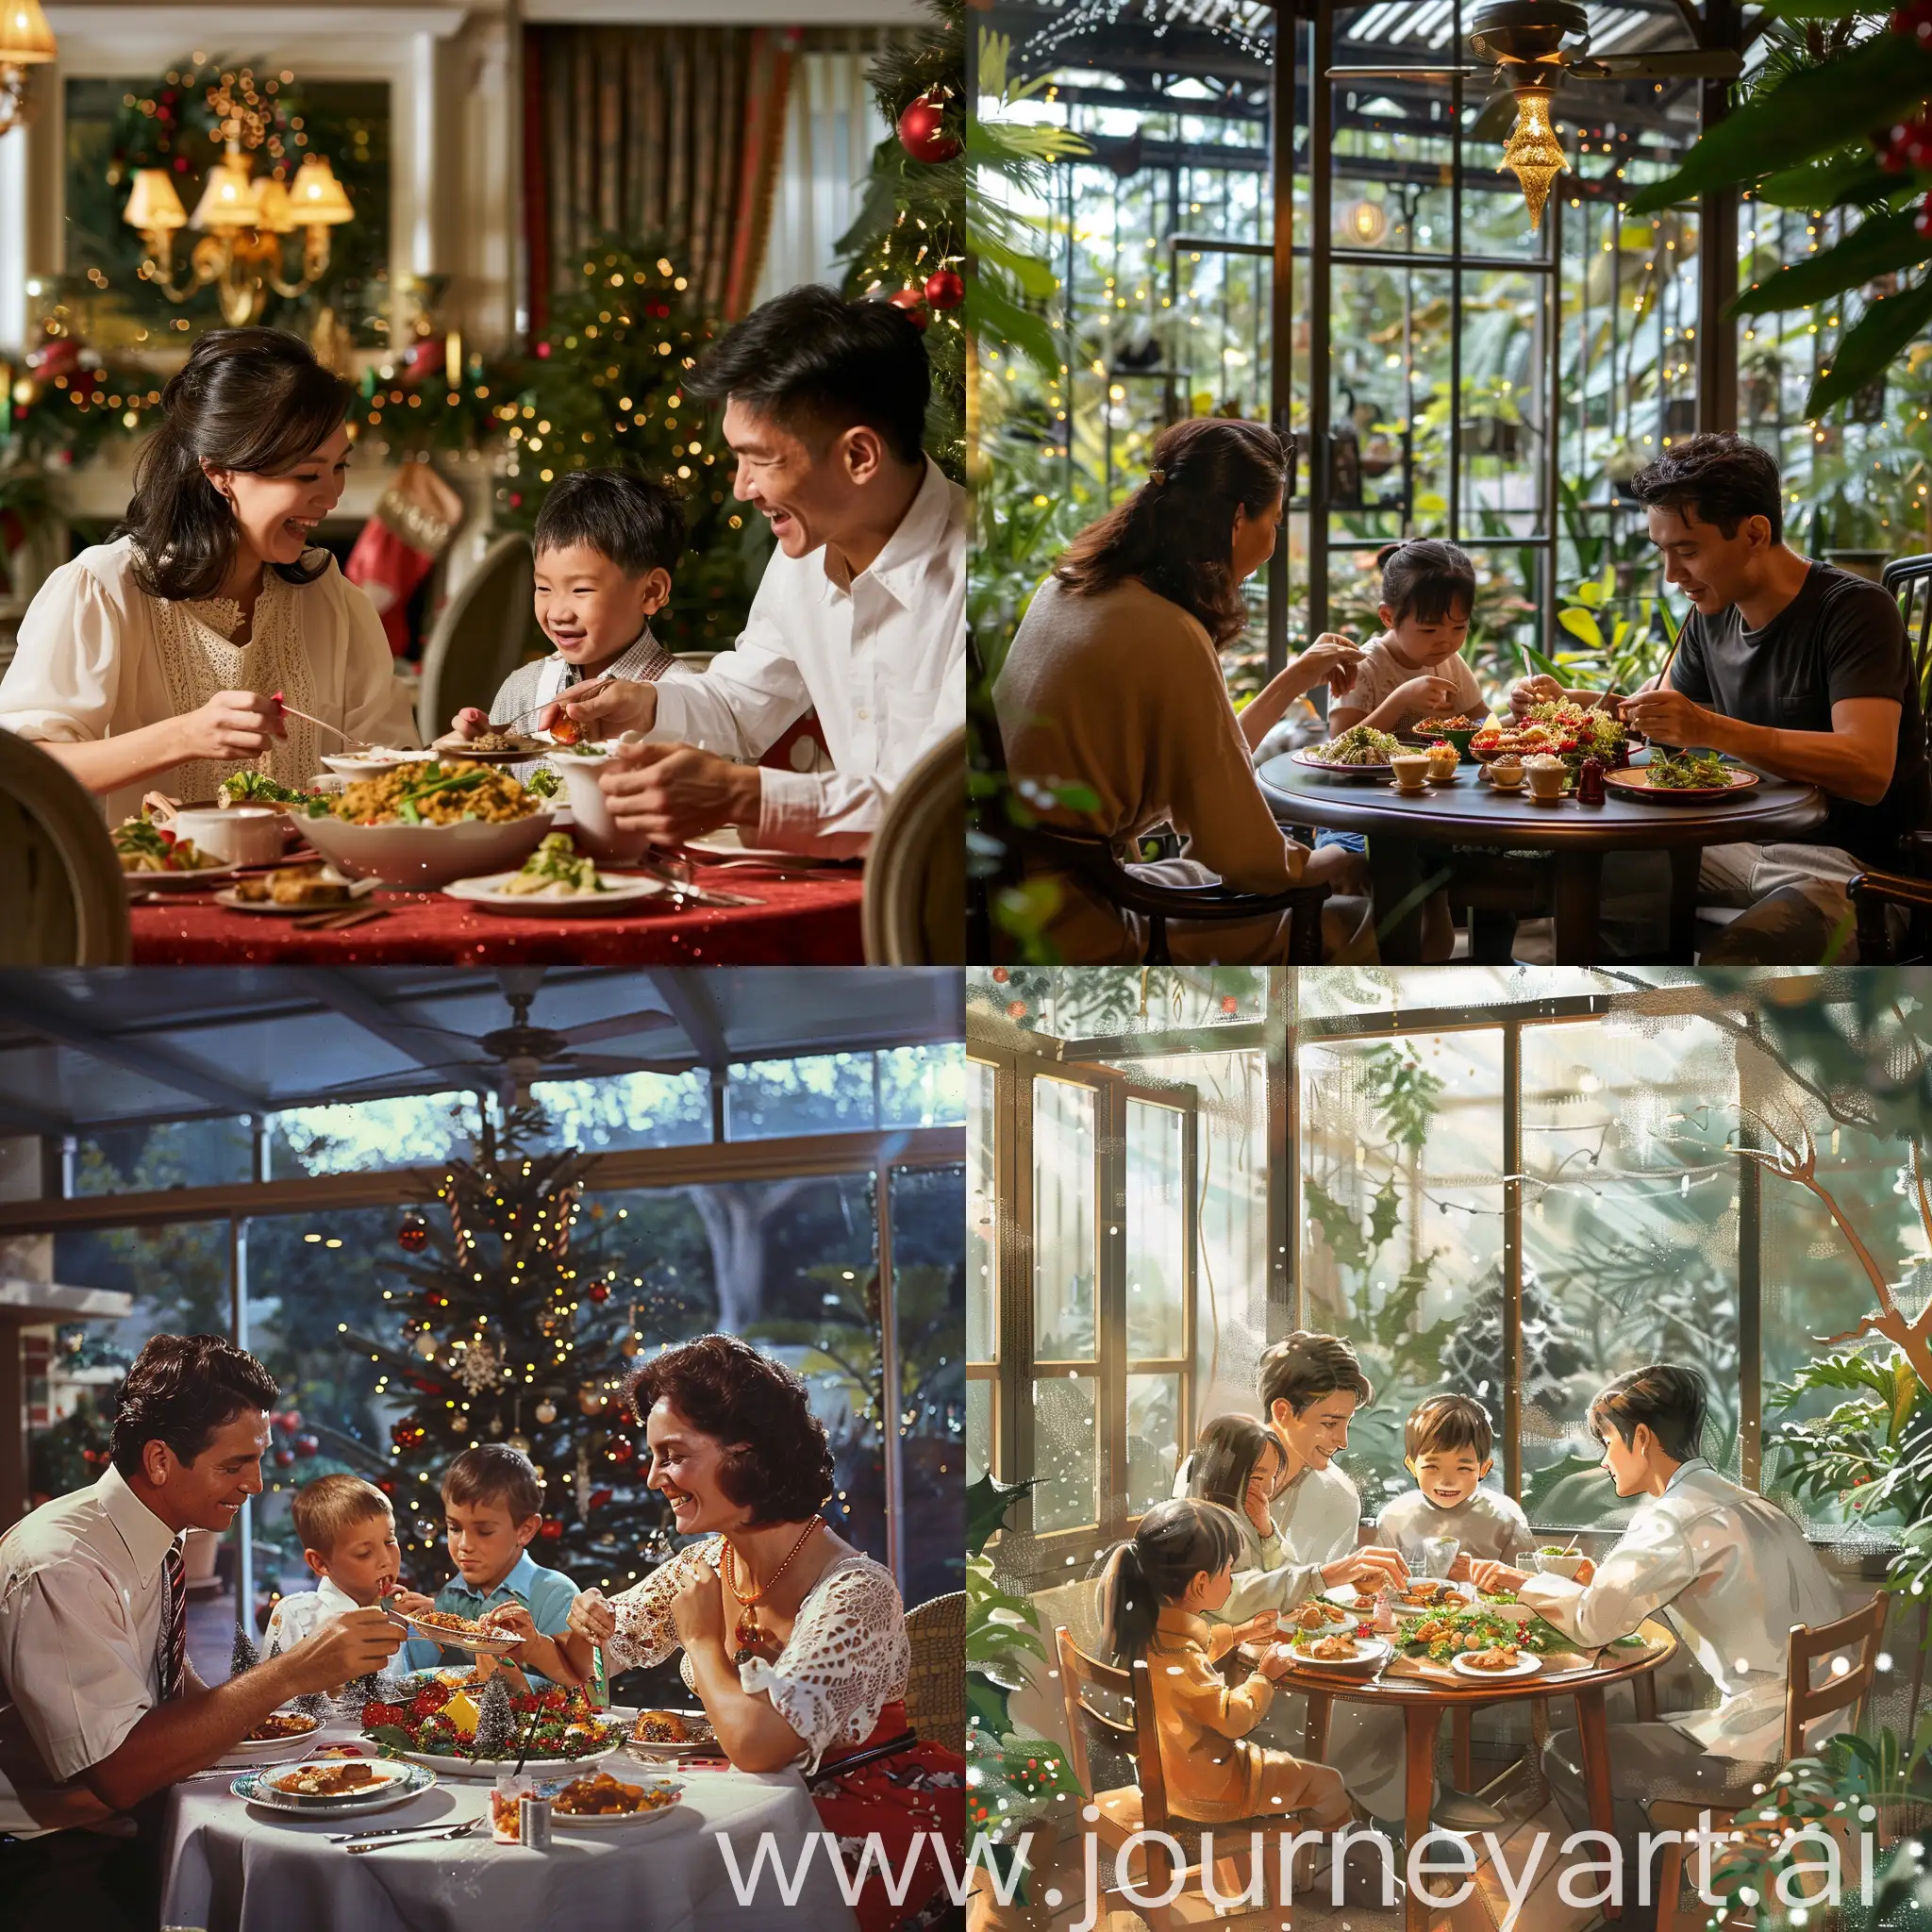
1264 1520
177 654
793 1640
1792 667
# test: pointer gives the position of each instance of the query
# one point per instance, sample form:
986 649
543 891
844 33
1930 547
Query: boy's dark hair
495 1473
1224 1459
1175 1542
1669 1400
1446 1423
327 1508
636 523
1718 477
180 1391
1307 1367
809 358
1426 579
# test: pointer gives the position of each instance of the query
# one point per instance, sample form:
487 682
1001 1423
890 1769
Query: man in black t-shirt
1796 667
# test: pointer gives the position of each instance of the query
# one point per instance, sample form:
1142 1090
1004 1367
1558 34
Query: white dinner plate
477 1646
627 892
488 1767
704 1746
399 1782
726 843
1527 1665
374 763
276 1751
621 1820
1370 1653
358 888
139 882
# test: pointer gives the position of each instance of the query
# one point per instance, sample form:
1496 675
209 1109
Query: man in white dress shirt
862 613
100 1710
1731 1571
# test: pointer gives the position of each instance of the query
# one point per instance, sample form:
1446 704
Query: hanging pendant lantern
1533 154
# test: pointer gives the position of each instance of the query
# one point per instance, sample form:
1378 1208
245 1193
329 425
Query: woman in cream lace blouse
157 660
793 1640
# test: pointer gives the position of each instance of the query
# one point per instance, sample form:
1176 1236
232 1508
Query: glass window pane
1156 1231
929 1205
629 1111
169 1154
981 1215
825 1094
1154 1438
923 1086
367 1136
978 1429
1065 1453
1063 1241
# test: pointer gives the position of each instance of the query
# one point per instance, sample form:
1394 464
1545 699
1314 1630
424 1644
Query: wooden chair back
936 1686
480 637
59 878
1804 1705
914 909
1080 1678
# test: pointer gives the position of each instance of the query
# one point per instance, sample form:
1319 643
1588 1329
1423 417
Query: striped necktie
173 1650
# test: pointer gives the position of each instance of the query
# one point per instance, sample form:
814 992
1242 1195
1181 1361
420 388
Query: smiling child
1448 1441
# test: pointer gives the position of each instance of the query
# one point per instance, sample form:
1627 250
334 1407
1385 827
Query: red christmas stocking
399 545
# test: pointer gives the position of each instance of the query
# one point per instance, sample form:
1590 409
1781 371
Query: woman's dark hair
1225 1454
776 1462
1175 533
636 523
1306 1366
180 1391
1426 579
1175 1542
1719 479
810 359
1669 1400
249 399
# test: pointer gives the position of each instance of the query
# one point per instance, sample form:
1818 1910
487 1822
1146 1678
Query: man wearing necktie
100 1710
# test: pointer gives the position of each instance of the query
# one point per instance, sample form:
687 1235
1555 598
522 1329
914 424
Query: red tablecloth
806 919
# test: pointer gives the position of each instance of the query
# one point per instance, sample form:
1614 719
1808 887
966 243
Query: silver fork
678 875
427 1835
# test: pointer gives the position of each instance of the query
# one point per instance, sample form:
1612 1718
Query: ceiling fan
1531 48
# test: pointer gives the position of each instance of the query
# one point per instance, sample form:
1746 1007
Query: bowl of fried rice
427 824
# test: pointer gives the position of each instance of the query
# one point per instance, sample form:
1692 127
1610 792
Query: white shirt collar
333 1599
908 550
148 1538
1684 1469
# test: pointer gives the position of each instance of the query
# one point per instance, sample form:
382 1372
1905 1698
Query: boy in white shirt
1447 1443
349 1535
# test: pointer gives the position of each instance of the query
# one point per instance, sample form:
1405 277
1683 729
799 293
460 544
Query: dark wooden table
1411 841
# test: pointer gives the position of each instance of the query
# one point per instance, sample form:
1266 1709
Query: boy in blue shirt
493 1503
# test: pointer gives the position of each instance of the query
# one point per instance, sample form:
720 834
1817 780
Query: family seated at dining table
793 1640
1724 1567
182 651
1113 682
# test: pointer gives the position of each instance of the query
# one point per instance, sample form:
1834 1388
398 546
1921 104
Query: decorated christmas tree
909 243
511 1329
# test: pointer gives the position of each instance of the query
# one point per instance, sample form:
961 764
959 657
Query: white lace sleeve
645 1634
847 1657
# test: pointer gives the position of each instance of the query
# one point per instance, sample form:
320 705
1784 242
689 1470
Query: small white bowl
1566 1565
236 834
372 762
594 829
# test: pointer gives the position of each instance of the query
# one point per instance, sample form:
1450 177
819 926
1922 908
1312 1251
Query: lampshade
25 37
1533 154
1367 222
228 200
317 200
154 208
272 214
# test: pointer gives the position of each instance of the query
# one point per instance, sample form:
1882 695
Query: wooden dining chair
914 909
1805 1703
59 878
1124 1724
936 1687
479 637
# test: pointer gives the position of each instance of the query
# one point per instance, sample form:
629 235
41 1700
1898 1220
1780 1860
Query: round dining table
231 1867
1424 1700
1418 842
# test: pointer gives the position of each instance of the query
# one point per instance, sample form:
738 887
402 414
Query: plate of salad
1469 1632
557 878
1360 752
1683 777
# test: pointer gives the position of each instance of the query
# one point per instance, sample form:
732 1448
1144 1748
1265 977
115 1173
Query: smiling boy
1447 1443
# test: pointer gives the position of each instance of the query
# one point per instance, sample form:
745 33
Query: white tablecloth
232 1869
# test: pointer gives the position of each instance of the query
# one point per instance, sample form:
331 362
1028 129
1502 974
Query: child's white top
1381 673
305 1614
646 661
1487 1525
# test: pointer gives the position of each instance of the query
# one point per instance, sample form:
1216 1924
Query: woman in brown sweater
1114 682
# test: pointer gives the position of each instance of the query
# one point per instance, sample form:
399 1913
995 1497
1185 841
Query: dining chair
914 909
479 637
1805 1703
60 878
1109 1706
936 1687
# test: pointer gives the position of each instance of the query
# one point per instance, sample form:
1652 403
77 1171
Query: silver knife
430 1835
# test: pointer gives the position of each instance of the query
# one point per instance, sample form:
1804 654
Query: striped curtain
667 135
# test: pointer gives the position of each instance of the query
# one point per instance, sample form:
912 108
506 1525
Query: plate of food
437 1729
1458 731
153 859
328 1787
280 1736
244 789
1314 1618
369 760
1428 1594
421 824
601 1802
492 747
1359 753
1483 1626
1684 777
673 1734
557 879
726 842
1341 1652
293 889
459 1633
1495 1661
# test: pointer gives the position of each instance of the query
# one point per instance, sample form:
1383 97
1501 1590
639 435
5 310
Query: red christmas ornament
414 1235
307 1446
599 1290
922 132
1000 976
387 1486
621 1451
598 1498
1229 1003
945 289
1016 1009
912 302
552 1530
283 1458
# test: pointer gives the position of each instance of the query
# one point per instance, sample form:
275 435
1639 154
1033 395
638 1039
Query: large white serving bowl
422 858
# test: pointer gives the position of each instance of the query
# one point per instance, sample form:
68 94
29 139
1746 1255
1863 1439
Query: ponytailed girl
1155 1592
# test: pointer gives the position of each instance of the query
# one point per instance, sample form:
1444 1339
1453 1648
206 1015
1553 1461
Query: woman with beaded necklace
793 1640
160 658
